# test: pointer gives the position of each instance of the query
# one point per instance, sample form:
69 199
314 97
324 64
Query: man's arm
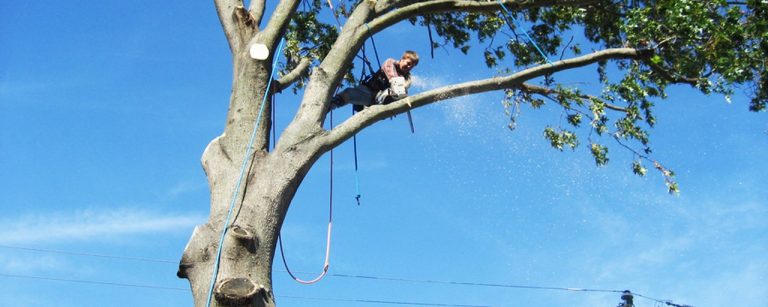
389 68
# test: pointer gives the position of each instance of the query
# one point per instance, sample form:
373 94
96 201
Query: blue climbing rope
242 173
354 137
508 16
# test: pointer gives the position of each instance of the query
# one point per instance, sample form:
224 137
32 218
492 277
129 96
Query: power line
334 274
475 284
55 251
356 276
381 302
105 283
667 302
116 284
93 282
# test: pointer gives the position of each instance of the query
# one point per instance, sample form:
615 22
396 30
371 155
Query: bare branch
257 10
531 88
371 115
674 79
301 70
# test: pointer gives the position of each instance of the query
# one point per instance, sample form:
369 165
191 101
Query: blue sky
105 109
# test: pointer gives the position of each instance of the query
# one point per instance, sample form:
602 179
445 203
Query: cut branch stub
182 271
243 237
236 291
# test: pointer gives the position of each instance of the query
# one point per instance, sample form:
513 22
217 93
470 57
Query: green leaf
638 169
656 59
574 119
561 138
600 153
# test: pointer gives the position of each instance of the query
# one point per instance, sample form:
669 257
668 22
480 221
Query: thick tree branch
371 115
354 32
226 10
301 70
324 78
257 10
358 28
407 9
279 21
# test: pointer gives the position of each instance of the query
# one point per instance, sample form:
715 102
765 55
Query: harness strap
374 44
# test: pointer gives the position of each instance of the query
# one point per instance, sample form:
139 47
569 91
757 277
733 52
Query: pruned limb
238 291
369 116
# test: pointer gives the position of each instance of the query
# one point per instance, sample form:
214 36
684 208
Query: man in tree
388 84
714 46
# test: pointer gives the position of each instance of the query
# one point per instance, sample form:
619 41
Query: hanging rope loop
326 264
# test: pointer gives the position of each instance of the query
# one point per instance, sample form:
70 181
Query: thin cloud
709 228
185 187
91 225
26 264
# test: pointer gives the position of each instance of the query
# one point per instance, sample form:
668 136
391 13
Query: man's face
406 64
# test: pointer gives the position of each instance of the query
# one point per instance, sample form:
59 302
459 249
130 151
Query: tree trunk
267 188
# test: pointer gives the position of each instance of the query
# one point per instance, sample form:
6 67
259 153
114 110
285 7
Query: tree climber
388 84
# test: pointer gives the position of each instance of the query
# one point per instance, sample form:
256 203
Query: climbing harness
373 42
242 174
